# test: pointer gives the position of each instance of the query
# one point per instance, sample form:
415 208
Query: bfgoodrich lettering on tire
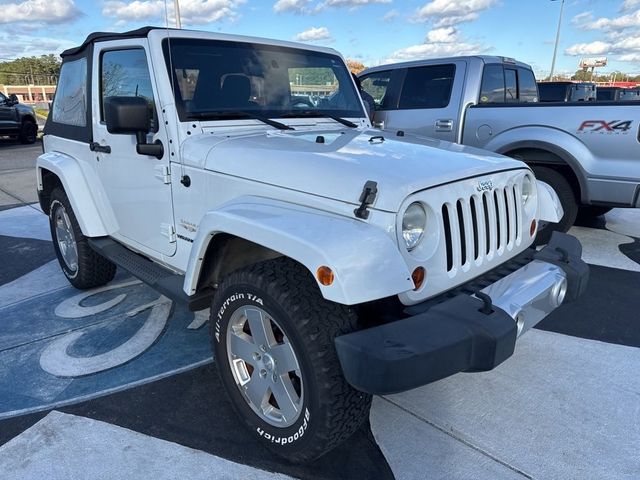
272 335
82 266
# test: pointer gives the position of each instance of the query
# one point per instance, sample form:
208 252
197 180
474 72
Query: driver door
138 186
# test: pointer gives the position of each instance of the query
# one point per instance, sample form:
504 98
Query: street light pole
555 48
178 21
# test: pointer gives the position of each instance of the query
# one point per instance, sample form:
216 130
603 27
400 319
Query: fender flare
565 146
366 262
549 206
69 172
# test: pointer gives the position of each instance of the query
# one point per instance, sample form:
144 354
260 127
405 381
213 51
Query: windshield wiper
313 113
224 114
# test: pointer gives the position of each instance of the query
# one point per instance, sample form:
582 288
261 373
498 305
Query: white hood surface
339 167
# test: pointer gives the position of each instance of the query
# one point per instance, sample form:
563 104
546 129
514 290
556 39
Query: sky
370 31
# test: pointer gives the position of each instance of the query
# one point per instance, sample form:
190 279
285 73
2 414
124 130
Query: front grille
483 225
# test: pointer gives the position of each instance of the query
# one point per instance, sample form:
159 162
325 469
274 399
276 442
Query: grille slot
481 225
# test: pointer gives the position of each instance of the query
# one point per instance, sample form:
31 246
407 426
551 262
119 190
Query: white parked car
337 263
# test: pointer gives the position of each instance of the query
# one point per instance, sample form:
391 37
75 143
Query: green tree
42 70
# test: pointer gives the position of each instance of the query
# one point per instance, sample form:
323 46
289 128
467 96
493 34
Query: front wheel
83 267
28 132
272 335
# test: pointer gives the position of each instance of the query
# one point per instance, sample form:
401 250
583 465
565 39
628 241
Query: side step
157 277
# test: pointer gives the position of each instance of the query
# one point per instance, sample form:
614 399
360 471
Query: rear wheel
567 197
83 267
272 335
28 132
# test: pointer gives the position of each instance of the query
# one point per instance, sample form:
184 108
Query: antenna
183 177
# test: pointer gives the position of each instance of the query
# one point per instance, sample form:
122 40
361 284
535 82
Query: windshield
222 79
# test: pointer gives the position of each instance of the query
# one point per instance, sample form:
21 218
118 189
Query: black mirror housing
127 115
13 99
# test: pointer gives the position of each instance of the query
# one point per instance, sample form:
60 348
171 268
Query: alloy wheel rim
66 239
264 366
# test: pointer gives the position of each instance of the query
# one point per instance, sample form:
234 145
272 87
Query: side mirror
130 115
13 99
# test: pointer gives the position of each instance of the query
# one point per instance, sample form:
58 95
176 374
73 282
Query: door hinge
163 173
169 231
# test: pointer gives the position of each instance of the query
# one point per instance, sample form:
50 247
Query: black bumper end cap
454 336
565 251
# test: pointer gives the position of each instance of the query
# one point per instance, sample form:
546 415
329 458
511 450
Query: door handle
444 125
96 147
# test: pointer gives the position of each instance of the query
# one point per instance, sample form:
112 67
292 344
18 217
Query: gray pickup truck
17 120
588 152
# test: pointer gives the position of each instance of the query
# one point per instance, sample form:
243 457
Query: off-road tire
332 410
567 198
592 211
93 270
28 132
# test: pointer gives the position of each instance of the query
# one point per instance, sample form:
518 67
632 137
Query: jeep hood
339 167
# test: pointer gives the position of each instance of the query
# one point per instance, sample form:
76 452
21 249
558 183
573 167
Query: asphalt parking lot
118 382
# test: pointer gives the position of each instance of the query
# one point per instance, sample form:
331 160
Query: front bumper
466 332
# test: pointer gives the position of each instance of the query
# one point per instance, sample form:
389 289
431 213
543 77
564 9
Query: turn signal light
532 229
418 276
325 275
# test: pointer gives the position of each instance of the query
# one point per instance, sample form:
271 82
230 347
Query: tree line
42 70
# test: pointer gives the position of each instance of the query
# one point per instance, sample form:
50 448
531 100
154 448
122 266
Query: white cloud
618 34
442 35
445 13
593 48
191 11
440 42
295 6
42 11
629 5
390 15
314 34
586 21
16 45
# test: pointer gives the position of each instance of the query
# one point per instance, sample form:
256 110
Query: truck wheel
567 199
591 211
28 132
272 335
82 266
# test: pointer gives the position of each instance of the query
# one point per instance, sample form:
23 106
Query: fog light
325 275
532 229
558 293
418 277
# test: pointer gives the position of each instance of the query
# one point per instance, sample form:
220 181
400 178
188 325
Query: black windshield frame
240 59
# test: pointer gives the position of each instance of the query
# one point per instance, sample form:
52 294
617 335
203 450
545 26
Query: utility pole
178 21
555 48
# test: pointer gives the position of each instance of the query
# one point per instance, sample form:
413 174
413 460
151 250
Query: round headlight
413 225
527 189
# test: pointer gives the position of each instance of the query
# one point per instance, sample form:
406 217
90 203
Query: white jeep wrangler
241 174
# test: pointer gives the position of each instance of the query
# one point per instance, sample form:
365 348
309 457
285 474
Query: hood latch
367 197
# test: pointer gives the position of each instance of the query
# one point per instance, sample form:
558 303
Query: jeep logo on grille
485 185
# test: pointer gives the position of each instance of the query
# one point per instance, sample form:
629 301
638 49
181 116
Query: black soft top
103 36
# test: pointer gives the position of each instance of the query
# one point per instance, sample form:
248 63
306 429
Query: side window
124 73
70 102
528 87
492 90
510 85
3 99
427 87
376 85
